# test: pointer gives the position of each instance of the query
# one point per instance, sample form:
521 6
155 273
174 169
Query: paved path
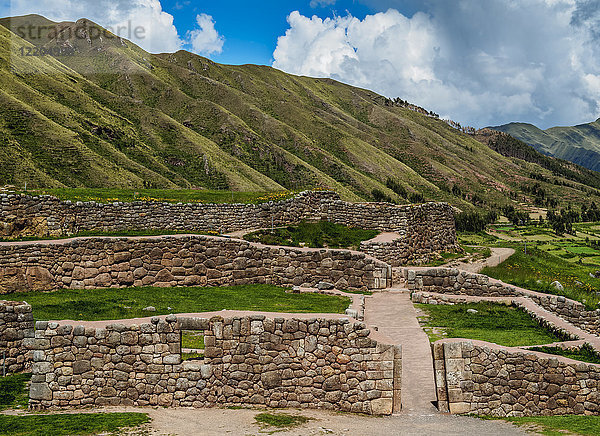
395 316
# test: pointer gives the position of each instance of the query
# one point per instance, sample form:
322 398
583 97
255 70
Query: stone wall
572 311
98 262
453 281
443 299
314 363
422 229
485 379
22 215
16 324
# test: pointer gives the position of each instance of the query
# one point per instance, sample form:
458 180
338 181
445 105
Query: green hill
578 144
112 115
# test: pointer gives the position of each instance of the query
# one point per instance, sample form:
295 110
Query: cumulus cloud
143 22
479 63
206 40
158 33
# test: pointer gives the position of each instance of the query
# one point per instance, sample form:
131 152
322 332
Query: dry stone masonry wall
314 363
16 324
498 381
423 229
453 281
180 261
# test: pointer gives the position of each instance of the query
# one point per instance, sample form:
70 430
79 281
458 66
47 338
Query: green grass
280 420
537 269
586 353
502 325
109 195
192 356
70 424
443 258
192 339
479 238
560 425
13 391
106 304
315 235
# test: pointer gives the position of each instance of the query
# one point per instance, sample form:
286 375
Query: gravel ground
217 422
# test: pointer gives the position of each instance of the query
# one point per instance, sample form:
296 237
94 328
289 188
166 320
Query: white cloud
477 62
321 3
158 33
206 40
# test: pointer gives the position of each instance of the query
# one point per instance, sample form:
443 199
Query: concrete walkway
395 316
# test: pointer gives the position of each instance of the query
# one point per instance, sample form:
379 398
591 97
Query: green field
314 235
70 424
559 425
585 354
502 325
109 195
542 257
13 391
537 269
107 304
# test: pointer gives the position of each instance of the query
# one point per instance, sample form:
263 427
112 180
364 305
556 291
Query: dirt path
218 422
499 255
394 315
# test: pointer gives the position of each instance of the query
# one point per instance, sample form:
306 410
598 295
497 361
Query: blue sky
479 62
251 29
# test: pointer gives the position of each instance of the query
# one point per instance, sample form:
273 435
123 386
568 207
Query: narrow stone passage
395 316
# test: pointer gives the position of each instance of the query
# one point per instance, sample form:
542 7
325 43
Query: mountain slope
113 115
579 144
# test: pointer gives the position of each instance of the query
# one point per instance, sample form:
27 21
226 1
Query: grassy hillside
114 116
578 144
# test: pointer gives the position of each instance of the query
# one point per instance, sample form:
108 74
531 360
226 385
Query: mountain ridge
113 115
579 144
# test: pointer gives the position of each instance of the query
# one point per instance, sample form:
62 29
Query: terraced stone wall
453 281
180 261
23 215
474 378
423 229
16 325
314 363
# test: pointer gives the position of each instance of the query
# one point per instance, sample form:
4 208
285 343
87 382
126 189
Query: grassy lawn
537 269
315 235
584 354
560 425
106 304
107 195
69 424
502 325
13 391
194 341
